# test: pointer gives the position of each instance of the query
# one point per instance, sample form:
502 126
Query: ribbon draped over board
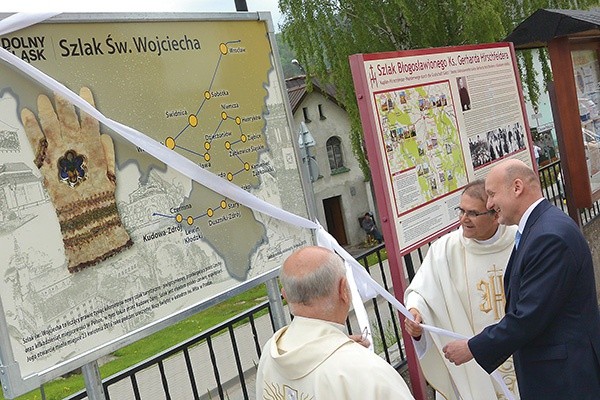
361 284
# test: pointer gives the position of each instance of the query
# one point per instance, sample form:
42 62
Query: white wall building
341 194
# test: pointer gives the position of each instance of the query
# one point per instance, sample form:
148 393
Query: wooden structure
563 32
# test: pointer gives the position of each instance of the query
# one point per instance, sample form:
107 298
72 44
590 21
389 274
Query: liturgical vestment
459 287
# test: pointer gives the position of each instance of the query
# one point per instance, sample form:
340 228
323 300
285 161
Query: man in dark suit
552 321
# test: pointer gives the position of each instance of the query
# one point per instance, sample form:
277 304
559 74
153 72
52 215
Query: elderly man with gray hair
313 358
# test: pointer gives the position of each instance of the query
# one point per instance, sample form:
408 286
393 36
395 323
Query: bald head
512 187
517 169
314 284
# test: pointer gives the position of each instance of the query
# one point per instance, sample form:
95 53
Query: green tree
286 55
323 33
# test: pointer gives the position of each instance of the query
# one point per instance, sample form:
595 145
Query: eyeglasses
470 213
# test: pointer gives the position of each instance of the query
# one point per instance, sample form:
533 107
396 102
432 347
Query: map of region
221 128
420 134
204 90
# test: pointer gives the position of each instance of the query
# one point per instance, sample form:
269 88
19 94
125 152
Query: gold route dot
190 220
229 176
179 218
224 115
227 145
223 204
238 120
247 166
223 48
170 143
206 157
244 138
210 212
206 146
193 120
207 95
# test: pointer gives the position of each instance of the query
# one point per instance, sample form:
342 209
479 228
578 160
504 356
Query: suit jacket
552 321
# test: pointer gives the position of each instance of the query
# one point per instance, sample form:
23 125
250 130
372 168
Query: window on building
305 113
334 152
321 115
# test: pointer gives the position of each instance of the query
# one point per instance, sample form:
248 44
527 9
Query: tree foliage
323 33
286 55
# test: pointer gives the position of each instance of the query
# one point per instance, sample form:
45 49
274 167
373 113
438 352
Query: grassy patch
389 334
373 259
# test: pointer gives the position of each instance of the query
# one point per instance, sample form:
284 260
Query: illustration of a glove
78 167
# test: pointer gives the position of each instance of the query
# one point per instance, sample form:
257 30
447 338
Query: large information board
102 242
586 67
434 120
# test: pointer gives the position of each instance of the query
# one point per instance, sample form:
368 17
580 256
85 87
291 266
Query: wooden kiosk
573 41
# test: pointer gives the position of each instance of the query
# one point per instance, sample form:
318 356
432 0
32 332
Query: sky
140 6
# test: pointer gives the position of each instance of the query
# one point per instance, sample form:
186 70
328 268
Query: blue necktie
517 239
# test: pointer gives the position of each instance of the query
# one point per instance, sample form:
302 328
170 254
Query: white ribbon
23 20
362 282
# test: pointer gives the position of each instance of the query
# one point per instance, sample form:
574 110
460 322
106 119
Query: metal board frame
12 379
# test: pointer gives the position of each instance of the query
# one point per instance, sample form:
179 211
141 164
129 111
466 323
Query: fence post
93 382
275 303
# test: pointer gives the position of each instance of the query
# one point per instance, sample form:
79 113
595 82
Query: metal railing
187 353
552 181
387 326
553 184
239 380
218 346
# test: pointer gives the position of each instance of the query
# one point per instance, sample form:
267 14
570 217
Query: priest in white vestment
313 358
459 287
